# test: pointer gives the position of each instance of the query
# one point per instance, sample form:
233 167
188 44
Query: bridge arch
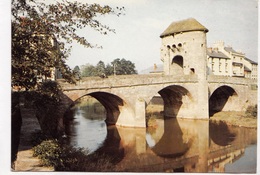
177 100
224 98
114 105
111 103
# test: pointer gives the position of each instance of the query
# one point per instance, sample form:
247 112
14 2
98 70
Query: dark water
171 145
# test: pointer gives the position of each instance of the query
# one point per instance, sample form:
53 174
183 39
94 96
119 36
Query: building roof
250 61
230 49
247 69
186 25
216 54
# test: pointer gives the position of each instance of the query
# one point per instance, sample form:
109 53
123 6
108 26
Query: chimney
219 44
215 49
154 67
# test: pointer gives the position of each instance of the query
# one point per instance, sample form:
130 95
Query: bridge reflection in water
175 145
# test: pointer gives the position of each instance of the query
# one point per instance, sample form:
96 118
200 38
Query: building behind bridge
224 60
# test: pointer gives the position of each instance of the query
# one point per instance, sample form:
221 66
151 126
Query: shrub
67 158
49 152
251 111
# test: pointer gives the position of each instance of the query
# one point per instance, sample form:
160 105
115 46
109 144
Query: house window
226 65
219 65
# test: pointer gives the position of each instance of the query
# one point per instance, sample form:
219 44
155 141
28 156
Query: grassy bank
236 119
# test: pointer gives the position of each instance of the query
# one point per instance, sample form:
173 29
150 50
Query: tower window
178 60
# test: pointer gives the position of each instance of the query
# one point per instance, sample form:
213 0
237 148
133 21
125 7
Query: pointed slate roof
186 25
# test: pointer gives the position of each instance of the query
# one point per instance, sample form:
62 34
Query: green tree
76 71
100 68
118 67
109 70
123 67
88 70
42 36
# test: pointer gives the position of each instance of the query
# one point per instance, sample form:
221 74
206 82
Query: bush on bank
251 111
67 158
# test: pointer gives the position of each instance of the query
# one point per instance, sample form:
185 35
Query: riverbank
235 119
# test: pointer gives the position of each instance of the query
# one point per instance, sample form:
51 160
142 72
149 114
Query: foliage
100 68
123 67
76 71
88 70
117 67
67 158
48 151
42 36
251 111
50 91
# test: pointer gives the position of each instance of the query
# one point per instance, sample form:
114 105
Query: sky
137 32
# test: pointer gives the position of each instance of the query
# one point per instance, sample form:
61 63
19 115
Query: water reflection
220 133
175 145
87 128
172 143
82 135
111 146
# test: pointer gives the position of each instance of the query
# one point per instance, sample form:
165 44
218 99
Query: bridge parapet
230 80
125 81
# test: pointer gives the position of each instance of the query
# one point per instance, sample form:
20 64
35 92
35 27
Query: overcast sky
137 32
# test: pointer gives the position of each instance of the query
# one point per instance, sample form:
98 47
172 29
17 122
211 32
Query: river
169 145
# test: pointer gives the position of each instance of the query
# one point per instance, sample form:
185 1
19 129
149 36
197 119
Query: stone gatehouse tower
183 49
184 52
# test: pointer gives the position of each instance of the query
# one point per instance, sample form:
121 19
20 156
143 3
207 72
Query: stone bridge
125 98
